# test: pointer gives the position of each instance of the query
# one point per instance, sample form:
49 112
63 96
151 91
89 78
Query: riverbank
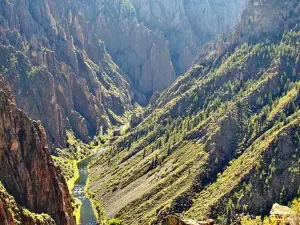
86 212
97 206
71 161
70 171
71 184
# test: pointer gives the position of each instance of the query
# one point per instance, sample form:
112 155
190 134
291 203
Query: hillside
60 73
28 177
69 68
222 140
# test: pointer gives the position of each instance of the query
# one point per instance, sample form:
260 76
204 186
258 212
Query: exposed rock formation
279 215
12 214
262 18
27 171
59 70
211 18
284 215
65 77
143 54
281 211
169 16
187 24
179 220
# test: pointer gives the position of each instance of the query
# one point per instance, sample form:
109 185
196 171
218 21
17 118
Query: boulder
180 220
284 215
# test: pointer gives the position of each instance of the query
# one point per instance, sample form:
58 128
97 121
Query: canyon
71 69
174 112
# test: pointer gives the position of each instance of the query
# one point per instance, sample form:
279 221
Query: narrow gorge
149 112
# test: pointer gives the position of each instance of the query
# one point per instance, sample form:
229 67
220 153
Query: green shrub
115 221
102 140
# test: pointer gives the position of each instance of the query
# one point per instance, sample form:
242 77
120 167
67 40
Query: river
87 216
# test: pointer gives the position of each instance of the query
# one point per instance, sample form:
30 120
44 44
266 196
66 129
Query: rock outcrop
284 215
12 214
279 215
27 170
180 220
59 69
170 17
143 54
213 18
262 18
188 24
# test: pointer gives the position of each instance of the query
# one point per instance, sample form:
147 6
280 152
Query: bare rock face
170 17
143 54
212 18
27 171
59 69
267 17
12 214
180 220
279 210
187 24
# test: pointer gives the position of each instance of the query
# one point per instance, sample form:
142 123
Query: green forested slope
221 141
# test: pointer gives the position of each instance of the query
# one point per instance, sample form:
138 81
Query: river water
87 216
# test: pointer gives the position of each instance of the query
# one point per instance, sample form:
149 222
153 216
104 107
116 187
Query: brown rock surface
27 171
59 70
284 215
12 214
180 220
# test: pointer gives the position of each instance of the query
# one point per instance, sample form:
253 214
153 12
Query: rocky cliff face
262 18
212 18
59 69
188 24
27 171
12 214
61 73
143 54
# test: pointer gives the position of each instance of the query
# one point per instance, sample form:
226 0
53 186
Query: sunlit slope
210 120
